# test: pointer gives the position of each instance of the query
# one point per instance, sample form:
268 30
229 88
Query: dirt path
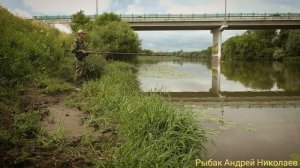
70 119
57 115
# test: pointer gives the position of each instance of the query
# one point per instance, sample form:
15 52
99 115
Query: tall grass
152 132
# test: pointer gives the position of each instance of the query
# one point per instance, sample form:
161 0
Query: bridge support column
216 58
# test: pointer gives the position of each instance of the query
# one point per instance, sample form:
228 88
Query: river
256 113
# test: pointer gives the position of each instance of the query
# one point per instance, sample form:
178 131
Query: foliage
293 43
106 18
252 45
80 21
109 33
262 45
94 66
194 54
27 47
151 131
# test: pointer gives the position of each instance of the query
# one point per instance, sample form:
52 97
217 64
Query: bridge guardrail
165 17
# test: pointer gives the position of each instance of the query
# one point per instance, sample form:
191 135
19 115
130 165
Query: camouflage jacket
77 46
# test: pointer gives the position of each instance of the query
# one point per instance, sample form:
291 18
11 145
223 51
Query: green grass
50 85
57 139
27 124
152 133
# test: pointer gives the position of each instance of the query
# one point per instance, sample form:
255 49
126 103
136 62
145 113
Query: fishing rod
116 53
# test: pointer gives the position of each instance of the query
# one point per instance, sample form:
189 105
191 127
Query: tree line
263 45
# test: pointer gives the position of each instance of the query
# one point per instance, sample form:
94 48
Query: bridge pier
216 58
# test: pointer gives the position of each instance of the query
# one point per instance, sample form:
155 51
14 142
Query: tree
293 43
252 45
106 18
80 21
109 33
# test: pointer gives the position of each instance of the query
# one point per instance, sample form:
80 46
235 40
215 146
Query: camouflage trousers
79 71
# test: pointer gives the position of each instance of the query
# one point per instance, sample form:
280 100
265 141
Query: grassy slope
152 133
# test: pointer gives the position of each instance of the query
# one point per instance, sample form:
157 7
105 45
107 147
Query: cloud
191 6
21 13
175 40
55 7
135 7
262 6
185 40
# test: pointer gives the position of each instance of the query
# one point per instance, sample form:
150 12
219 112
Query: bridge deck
198 21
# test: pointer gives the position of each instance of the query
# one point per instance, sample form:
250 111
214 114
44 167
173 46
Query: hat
81 32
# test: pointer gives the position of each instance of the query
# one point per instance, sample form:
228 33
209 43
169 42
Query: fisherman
79 49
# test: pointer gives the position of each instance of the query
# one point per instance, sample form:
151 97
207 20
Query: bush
94 66
111 34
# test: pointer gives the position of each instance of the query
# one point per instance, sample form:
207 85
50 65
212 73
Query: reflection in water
264 132
197 76
264 75
254 133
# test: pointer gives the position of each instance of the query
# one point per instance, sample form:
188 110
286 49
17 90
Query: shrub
94 66
111 34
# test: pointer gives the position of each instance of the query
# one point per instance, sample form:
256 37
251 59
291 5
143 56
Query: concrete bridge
236 21
214 22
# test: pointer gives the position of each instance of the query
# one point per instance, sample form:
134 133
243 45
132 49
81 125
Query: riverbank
150 131
123 127
44 122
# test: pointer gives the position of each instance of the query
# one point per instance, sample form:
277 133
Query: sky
155 40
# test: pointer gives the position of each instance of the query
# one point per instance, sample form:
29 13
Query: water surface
196 76
256 126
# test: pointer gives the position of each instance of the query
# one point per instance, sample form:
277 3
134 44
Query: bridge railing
153 17
166 17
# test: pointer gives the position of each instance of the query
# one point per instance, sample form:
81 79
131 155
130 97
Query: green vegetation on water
146 130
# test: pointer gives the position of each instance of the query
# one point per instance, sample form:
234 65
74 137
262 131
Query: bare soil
71 119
